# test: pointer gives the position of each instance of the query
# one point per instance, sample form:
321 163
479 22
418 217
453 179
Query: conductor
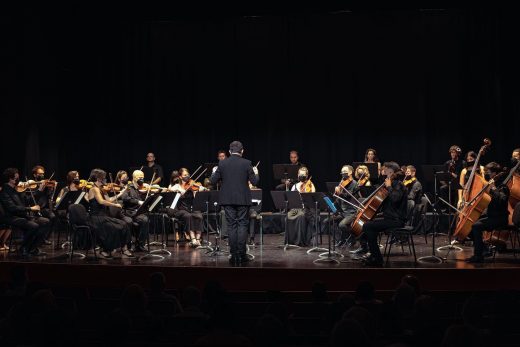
235 197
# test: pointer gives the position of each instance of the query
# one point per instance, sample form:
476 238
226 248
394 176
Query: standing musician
294 159
111 232
371 157
454 166
132 199
414 188
393 209
300 221
18 215
159 173
348 211
183 211
44 195
495 216
466 172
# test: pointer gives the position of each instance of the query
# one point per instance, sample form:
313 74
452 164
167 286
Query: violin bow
32 196
149 187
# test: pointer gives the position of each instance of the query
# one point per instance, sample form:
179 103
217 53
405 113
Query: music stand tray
70 198
284 171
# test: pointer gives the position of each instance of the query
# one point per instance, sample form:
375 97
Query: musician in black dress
301 221
111 233
494 217
394 209
19 215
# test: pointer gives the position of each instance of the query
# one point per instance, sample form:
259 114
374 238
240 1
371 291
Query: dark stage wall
84 88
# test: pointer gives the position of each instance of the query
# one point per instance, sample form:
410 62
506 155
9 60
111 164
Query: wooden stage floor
274 268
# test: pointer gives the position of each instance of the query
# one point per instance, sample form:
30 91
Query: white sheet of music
175 201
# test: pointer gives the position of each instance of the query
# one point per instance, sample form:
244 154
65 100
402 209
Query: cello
370 208
475 199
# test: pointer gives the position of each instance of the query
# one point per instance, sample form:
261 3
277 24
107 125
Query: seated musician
122 178
515 157
494 217
466 173
394 212
348 212
111 233
72 182
294 159
300 221
5 231
44 195
19 215
132 198
362 176
183 211
414 188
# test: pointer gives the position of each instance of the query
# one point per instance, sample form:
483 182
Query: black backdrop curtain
82 88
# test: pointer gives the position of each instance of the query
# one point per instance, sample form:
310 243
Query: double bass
475 199
512 181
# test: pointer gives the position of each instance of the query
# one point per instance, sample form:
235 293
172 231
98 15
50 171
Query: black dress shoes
373 262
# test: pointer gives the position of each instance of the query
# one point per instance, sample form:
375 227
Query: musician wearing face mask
44 194
132 200
494 217
122 178
414 188
466 173
345 200
72 181
192 220
394 209
300 221
18 215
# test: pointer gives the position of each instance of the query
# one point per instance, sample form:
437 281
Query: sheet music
79 198
152 206
175 201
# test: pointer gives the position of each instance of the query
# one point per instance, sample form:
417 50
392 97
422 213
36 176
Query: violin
154 188
408 181
192 185
306 187
33 185
84 184
111 187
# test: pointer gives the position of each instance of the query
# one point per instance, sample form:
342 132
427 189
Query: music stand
201 203
71 198
286 171
256 201
281 203
431 258
311 200
373 169
331 186
329 256
213 200
147 207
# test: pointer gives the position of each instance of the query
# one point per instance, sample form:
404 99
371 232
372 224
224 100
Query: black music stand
281 203
311 200
373 169
432 258
256 201
71 198
201 203
147 207
329 256
331 187
213 201
286 171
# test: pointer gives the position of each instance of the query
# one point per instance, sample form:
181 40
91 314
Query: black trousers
253 216
142 221
237 218
34 230
49 214
371 230
481 225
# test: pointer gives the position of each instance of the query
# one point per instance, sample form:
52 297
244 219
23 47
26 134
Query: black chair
512 232
78 221
407 232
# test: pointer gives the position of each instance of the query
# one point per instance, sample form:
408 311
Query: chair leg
413 248
389 247
72 242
